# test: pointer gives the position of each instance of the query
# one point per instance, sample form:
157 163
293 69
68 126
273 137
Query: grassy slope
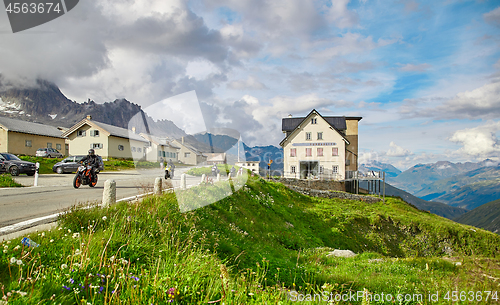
263 226
486 217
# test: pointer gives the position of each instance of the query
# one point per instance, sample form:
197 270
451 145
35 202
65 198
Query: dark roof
30 128
289 124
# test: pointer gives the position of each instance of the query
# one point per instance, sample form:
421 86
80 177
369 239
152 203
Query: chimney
289 115
89 117
133 129
182 140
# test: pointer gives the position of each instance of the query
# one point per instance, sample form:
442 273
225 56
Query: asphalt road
55 193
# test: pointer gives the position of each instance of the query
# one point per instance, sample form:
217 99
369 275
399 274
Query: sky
424 75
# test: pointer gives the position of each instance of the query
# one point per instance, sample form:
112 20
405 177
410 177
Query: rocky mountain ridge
46 104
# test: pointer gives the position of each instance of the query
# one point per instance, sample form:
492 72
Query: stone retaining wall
314 184
331 195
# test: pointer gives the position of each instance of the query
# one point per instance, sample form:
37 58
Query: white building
253 166
319 147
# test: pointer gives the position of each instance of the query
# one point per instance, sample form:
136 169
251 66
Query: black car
16 166
70 165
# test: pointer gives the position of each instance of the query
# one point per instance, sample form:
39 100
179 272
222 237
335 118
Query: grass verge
7 181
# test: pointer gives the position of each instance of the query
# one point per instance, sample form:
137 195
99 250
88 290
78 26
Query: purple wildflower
71 281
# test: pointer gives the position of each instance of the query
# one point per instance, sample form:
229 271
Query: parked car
48 153
2 165
71 163
16 166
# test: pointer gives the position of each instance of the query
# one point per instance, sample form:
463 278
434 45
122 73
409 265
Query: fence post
218 177
157 187
109 193
183 181
203 178
37 168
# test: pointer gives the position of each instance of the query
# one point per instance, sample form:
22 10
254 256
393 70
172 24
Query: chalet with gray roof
317 146
108 141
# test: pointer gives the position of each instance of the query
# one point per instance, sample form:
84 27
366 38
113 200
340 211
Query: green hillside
486 216
253 247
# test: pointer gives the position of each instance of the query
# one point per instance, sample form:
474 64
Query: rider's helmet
91 152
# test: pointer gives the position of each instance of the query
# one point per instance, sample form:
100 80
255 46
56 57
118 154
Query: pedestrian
162 163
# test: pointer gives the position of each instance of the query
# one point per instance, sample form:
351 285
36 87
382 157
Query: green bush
7 181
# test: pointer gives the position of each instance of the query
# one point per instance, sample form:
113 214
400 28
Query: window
313 121
335 151
132 148
58 146
308 136
292 169
27 143
96 145
163 154
321 169
94 133
308 152
174 155
120 147
335 169
320 136
293 152
187 155
139 149
49 145
81 133
159 153
320 152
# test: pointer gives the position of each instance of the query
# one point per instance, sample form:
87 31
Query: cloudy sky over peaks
424 75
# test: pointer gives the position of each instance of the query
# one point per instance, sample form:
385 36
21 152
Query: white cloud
398 151
493 17
480 141
251 83
415 68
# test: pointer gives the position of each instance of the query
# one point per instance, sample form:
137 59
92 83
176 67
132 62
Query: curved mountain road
55 193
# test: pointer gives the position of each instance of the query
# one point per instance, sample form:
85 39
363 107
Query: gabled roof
30 128
157 140
216 157
190 147
112 130
289 124
332 121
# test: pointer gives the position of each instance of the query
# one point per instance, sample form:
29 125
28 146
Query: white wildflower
19 262
13 260
64 266
104 218
112 258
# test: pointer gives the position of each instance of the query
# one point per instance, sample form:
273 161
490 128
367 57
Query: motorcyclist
92 160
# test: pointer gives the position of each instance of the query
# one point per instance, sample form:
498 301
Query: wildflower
43 234
71 281
51 240
13 260
19 262
112 258
17 248
77 252
104 218
69 230
76 235
66 287
64 266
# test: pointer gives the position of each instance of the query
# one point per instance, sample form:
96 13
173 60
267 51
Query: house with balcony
317 146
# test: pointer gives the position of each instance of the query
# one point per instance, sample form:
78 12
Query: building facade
253 166
24 138
188 154
108 141
160 148
319 147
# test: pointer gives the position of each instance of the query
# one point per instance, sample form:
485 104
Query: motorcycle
84 176
169 173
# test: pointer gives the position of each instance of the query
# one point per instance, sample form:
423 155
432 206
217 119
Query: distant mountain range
437 208
487 217
390 170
